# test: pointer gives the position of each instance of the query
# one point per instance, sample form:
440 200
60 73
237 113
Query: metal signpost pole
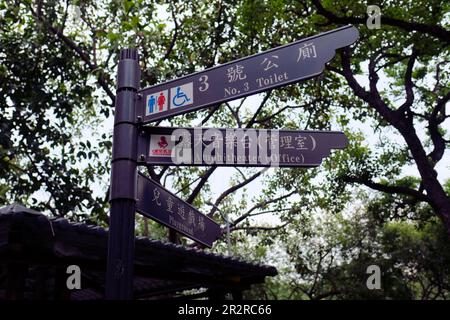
119 274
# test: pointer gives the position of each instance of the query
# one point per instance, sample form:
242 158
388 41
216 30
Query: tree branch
318 268
408 82
218 31
433 30
235 114
372 98
188 185
200 185
440 107
283 109
326 294
211 112
72 45
174 37
388 189
232 189
433 127
258 228
259 205
255 115
438 75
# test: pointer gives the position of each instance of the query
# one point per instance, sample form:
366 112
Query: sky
218 183
220 180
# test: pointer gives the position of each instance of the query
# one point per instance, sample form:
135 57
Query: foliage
321 226
332 261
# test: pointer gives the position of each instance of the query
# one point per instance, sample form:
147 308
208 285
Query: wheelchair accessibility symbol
181 96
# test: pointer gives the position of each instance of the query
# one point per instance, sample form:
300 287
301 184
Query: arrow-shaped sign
236 147
159 204
273 68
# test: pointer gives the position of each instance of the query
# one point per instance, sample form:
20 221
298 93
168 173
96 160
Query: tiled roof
101 232
81 242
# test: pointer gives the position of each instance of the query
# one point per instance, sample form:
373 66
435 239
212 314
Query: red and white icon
160 145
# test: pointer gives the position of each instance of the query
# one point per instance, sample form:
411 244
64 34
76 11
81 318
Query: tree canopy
384 200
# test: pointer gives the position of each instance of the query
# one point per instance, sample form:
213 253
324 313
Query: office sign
236 147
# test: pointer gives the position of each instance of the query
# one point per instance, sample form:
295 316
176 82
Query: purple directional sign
236 147
270 69
159 204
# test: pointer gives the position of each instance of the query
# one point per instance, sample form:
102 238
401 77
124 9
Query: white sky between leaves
220 180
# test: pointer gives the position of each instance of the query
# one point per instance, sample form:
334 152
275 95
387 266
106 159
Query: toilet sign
157 103
270 69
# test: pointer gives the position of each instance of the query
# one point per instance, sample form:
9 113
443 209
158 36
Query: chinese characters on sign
308 50
161 205
268 63
240 147
236 73
273 68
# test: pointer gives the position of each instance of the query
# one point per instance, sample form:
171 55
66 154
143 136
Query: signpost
159 204
236 147
120 261
134 107
270 69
